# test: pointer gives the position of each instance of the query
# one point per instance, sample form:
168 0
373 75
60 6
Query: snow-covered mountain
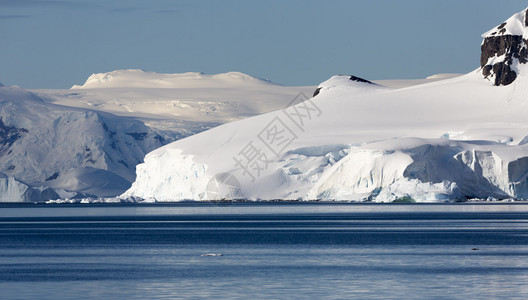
48 149
176 105
452 139
135 78
87 140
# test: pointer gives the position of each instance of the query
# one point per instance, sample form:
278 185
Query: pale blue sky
58 43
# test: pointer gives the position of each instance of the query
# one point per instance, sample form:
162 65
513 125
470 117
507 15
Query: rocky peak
503 48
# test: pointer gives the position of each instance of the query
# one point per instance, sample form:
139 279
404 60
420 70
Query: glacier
85 142
450 140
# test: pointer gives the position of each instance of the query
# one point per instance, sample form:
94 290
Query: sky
59 43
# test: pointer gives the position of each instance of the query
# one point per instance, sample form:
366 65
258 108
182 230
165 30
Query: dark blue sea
264 251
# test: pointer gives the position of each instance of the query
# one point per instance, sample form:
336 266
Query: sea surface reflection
269 250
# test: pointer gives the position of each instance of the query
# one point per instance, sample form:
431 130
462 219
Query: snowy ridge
135 78
353 84
515 25
404 83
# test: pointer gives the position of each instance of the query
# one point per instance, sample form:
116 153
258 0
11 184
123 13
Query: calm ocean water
269 251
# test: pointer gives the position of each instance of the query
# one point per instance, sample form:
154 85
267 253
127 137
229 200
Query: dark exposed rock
138 136
358 79
511 47
9 135
316 92
53 177
160 139
504 75
486 70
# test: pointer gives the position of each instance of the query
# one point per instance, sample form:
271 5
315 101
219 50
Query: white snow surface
403 83
447 140
515 25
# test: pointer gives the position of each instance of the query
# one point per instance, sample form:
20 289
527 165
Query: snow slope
447 140
45 146
184 104
403 83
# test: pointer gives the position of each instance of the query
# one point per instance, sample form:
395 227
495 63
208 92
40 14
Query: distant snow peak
136 78
442 76
504 48
348 81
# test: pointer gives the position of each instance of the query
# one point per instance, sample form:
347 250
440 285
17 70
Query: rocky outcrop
503 48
